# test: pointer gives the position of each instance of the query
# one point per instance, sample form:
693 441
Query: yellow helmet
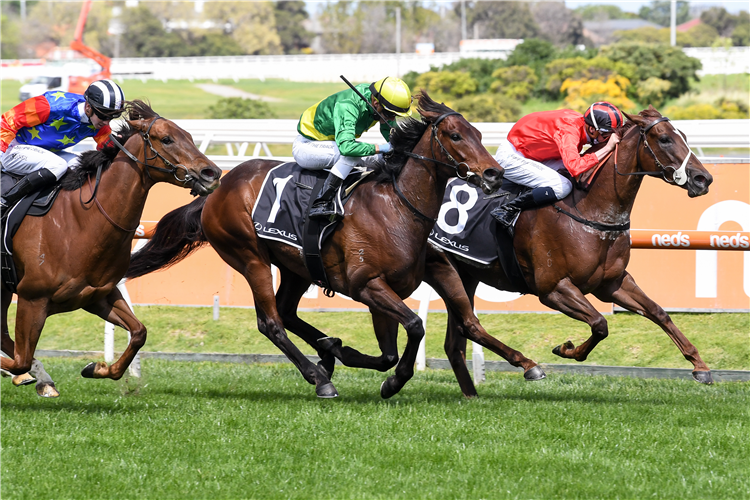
393 94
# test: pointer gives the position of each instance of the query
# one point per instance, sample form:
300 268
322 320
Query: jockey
541 143
35 132
329 129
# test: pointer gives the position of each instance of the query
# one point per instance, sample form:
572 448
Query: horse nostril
208 174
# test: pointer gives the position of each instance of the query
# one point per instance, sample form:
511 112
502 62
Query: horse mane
90 160
405 136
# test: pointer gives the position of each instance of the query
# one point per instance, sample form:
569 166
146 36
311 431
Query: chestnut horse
563 259
74 256
375 255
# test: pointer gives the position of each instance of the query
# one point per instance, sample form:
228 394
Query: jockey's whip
368 102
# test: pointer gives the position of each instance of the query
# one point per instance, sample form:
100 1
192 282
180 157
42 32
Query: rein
101 209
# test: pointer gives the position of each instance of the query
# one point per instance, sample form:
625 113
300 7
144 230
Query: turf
722 339
201 430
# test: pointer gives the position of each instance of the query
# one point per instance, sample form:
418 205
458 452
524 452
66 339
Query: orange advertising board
667 227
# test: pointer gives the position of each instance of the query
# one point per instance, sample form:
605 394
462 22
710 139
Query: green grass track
202 430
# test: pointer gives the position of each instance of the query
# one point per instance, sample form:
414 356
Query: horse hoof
24 379
534 373
326 391
88 370
557 351
388 389
329 343
703 377
47 390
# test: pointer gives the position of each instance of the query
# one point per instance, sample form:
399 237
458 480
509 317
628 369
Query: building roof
686 26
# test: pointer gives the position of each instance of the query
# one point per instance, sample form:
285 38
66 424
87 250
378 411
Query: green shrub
579 68
515 82
722 109
237 107
652 91
656 60
479 69
488 108
447 83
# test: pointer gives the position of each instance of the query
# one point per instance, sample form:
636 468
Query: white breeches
532 173
23 159
320 155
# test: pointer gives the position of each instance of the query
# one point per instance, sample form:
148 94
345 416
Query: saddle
282 212
35 204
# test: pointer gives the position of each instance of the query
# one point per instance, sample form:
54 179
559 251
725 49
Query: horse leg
378 296
290 292
114 309
386 331
457 292
568 299
628 295
30 318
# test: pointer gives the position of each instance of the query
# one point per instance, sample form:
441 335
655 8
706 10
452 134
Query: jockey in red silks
541 143
35 133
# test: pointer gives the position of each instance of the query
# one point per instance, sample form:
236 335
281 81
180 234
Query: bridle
147 141
455 165
678 175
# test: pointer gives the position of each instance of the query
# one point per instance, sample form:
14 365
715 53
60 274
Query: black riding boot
31 183
324 206
538 197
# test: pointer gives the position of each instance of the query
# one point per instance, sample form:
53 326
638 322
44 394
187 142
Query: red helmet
603 116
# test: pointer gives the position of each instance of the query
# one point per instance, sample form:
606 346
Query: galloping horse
583 246
375 255
74 256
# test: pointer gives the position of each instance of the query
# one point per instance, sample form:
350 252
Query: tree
447 84
289 18
602 12
10 38
657 60
253 24
741 33
720 19
514 82
558 24
500 19
487 108
660 12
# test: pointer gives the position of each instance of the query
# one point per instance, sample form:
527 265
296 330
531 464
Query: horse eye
167 140
455 137
665 139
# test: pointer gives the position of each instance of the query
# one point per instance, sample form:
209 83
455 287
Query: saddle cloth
280 211
464 225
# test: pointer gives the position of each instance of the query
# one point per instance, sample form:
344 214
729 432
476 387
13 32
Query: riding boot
31 183
507 214
324 205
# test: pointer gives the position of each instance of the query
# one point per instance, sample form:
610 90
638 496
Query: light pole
673 24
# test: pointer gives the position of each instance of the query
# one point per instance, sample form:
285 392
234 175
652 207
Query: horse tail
177 235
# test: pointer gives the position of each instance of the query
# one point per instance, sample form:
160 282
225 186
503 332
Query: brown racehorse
74 256
375 256
563 259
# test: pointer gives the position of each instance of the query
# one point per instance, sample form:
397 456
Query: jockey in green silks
329 131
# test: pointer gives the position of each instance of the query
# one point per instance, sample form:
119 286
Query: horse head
460 144
667 154
169 153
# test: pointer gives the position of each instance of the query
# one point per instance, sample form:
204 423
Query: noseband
678 174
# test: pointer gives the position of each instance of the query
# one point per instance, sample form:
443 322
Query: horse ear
651 108
637 119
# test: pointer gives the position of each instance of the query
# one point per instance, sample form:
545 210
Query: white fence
328 67
238 136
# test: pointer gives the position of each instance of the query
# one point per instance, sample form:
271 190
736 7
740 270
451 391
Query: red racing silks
29 113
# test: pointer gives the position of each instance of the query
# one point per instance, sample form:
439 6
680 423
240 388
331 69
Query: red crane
78 84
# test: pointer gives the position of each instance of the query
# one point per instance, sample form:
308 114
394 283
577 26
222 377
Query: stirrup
506 215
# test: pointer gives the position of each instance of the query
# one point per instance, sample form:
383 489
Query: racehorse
74 256
375 255
583 246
